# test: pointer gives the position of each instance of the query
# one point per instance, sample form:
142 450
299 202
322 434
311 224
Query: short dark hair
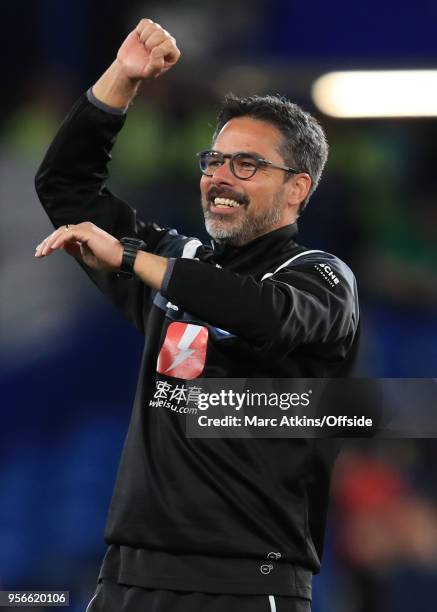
304 145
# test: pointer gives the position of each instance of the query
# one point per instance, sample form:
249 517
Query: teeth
226 203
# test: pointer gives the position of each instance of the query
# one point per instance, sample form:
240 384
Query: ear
298 189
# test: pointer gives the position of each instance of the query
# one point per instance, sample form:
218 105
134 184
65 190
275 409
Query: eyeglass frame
259 161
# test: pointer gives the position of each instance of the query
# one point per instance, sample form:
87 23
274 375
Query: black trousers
113 597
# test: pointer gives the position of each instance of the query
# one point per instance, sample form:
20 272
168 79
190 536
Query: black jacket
208 514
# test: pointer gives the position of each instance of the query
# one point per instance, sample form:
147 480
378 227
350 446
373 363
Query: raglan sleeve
71 185
312 301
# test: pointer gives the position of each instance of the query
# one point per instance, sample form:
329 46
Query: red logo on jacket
183 353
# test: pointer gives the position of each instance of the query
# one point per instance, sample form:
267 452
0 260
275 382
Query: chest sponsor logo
183 353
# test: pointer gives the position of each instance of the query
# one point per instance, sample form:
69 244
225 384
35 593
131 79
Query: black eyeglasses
243 165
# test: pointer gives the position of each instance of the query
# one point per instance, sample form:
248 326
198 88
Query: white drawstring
272 603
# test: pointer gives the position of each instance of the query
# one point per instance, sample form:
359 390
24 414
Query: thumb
155 64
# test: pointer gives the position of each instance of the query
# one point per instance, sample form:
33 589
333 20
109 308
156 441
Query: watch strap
131 246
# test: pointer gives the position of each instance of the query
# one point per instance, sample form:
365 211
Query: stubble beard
247 227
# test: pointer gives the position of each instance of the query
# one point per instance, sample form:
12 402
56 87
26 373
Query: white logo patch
327 273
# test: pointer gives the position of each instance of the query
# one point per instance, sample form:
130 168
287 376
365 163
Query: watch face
135 242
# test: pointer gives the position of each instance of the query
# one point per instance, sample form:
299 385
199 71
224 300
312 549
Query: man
215 524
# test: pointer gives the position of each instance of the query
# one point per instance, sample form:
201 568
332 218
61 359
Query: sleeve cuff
104 107
167 275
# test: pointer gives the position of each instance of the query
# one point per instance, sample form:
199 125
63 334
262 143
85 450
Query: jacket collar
263 250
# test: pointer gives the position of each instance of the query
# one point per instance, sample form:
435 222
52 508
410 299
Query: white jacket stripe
190 249
272 603
289 261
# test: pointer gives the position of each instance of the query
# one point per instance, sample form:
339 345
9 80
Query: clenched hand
148 51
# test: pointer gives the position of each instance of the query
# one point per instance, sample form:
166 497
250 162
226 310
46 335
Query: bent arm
293 307
71 182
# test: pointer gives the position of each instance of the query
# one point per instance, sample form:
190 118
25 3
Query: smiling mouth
224 203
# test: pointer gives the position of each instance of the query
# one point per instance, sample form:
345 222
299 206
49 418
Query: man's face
263 199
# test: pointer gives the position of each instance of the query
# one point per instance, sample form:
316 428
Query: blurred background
69 362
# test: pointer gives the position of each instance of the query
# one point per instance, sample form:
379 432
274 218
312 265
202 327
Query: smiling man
208 524
237 212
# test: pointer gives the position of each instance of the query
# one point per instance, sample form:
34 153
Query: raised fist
148 51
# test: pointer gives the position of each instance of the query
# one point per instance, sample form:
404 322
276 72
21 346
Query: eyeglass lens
242 165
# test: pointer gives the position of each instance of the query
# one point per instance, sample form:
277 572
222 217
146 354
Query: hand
148 51
87 242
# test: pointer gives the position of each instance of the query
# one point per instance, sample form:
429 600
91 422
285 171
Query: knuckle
144 21
148 39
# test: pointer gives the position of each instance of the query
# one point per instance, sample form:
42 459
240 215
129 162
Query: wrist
115 88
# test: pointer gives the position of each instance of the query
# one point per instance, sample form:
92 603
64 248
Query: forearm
219 297
71 179
277 315
114 88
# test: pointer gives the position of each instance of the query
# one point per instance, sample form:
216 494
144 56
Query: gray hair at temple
304 145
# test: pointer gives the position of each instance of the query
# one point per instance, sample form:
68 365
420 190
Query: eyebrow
253 153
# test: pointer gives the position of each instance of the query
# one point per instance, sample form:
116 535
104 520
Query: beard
247 225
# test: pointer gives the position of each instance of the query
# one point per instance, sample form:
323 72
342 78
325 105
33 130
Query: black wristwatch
130 250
